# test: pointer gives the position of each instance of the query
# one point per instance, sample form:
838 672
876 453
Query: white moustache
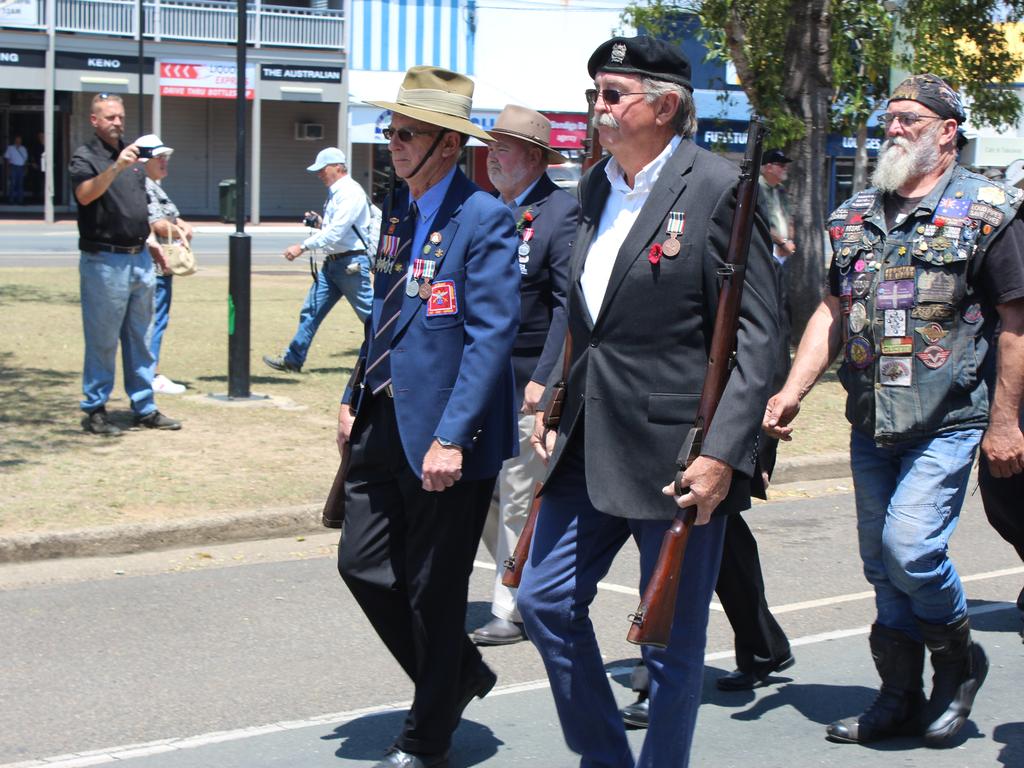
605 121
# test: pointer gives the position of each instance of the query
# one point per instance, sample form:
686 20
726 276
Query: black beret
644 56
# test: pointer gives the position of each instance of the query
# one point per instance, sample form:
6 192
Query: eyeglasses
405 135
906 119
611 96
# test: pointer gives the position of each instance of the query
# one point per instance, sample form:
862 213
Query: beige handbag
181 261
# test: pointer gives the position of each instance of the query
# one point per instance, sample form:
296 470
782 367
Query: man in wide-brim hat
433 417
517 161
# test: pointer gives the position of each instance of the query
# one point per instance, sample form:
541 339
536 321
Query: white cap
328 156
152 141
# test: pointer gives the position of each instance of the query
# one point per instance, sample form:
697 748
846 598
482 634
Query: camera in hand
145 152
311 220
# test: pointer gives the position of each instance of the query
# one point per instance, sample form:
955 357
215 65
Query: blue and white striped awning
393 35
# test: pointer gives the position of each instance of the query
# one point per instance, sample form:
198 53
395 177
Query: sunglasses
611 96
906 118
405 135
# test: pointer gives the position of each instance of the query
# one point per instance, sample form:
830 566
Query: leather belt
91 247
333 256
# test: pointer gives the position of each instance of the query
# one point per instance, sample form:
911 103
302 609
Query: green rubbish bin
227 200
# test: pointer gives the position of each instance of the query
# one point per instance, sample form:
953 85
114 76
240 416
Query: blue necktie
378 371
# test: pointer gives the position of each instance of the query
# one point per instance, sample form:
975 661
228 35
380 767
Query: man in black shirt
115 269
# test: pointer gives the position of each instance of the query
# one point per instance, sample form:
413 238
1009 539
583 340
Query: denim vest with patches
915 334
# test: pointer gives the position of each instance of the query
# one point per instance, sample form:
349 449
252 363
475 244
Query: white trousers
507 515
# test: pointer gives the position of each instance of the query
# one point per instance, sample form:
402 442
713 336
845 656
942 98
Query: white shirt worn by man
621 211
346 207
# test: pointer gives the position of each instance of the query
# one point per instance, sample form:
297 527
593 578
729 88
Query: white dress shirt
346 207
621 211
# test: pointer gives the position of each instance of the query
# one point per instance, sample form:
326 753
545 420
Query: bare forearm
94 188
818 348
1009 390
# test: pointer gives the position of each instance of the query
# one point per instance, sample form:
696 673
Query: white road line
790 607
112 754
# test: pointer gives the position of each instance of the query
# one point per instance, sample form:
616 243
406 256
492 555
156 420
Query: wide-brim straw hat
436 96
530 126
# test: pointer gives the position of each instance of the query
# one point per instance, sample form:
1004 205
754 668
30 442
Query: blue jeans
909 497
332 282
117 304
17 184
573 547
161 315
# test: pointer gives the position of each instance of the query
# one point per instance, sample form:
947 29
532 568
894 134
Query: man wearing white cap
545 216
433 418
343 237
166 224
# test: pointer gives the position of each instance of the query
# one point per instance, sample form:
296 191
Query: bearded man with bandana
924 265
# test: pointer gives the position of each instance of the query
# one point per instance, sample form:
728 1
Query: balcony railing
208 21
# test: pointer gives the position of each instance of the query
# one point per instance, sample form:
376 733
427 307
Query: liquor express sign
204 79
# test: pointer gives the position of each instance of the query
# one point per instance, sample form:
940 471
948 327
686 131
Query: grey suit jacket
638 369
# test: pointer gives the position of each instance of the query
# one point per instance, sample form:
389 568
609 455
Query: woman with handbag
169 244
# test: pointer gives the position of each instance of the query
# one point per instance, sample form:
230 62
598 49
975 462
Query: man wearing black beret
643 289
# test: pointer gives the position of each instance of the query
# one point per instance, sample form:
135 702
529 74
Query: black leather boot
960 667
896 710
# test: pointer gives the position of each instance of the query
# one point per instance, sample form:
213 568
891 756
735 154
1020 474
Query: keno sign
204 79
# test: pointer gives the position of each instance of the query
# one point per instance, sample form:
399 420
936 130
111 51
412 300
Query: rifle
652 621
516 562
592 149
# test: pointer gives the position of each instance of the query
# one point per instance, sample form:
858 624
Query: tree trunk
808 94
860 160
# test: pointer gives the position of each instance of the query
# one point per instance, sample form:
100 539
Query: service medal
412 288
676 225
424 290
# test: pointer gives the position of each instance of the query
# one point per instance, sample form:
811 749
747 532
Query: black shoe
279 363
479 686
99 423
498 632
156 420
738 680
1020 601
398 758
636 714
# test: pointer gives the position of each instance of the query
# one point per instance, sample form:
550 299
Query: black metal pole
239 249
142 70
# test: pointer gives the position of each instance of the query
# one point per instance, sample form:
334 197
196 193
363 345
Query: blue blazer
451 365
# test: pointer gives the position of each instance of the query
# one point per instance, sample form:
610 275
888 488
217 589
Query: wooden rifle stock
592 149
516 562
334 508
652 621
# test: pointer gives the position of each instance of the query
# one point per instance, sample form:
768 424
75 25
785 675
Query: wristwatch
446 443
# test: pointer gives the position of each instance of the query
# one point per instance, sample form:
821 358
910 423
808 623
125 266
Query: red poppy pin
654 255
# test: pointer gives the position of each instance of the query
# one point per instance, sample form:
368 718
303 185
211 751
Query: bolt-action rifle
652 621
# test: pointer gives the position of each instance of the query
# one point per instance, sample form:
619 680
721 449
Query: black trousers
740 589
1003 498
407 556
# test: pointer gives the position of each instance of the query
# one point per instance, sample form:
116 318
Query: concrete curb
824 466
145 537
272 523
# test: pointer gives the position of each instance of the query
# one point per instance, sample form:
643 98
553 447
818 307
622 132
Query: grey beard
894 168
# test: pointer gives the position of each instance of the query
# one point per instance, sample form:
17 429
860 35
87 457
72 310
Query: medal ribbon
676 222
